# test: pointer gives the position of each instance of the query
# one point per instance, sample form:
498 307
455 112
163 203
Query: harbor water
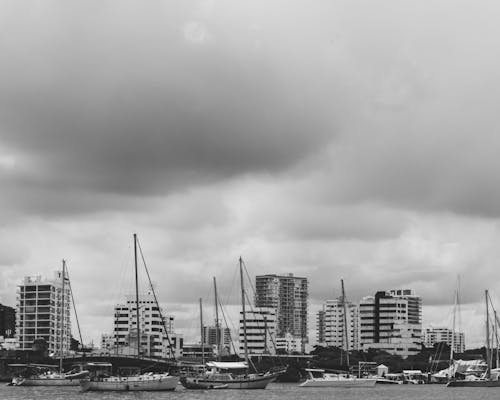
275 391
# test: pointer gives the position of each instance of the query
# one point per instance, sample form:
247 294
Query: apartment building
217 338
154 341
261 327
334 328
392 321
288 295
43 312
446 335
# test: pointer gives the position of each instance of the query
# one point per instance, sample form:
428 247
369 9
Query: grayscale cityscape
294 198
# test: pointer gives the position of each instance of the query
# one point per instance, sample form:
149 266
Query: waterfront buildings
332 324
288 295
7 321
391 321
43 312
261 327
154 341
446 335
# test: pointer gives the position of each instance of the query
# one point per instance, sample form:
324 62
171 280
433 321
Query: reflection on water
275 391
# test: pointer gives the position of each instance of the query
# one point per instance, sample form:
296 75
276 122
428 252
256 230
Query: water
275 391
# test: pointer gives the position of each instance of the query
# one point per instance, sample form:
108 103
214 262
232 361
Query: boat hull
259 382
477 383
167 383
341 383
45 382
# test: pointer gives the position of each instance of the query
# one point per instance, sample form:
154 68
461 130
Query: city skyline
268 289
354 140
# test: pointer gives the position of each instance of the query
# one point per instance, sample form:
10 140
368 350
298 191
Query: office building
260 331
392 321
288 295
444 335
43 312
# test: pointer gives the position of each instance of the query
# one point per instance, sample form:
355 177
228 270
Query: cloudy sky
329 139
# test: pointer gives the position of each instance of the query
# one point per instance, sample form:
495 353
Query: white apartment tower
392 321
260 331
154 342
43 312
334 330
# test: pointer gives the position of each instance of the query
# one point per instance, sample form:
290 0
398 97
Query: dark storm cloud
138 104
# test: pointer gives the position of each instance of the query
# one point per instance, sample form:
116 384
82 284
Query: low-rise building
446 335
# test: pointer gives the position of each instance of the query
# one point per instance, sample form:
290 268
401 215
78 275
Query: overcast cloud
331 139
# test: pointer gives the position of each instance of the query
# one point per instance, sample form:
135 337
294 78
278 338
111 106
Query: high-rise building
392 321
43 312
154 341
260 331
446 335
7 321
288 295
217 337
334 330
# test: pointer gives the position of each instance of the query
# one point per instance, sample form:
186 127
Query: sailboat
138 382
322 378
490 378
231 375
46 374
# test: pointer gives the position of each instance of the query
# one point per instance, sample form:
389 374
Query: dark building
7 321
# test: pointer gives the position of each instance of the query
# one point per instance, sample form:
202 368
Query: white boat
228 375
143 382
321 378
45 375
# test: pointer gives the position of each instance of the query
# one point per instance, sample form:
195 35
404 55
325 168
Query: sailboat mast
346 334
217 325
496 337
61 338
137 299
244 312
488 355
452 348
201 334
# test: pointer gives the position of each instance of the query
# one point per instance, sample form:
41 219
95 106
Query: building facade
320 327
217 338
334 331
154 339
260 331
43 312
392 321
7 322
439 335
288 295
288 344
